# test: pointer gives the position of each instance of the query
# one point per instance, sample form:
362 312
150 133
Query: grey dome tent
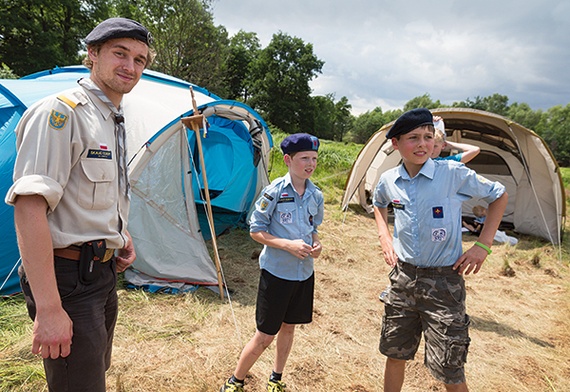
510 153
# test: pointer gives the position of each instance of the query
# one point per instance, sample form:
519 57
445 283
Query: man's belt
73 252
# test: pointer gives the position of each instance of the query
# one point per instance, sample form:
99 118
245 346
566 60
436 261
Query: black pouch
92 254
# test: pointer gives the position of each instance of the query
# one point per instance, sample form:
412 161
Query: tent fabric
165 214
510 153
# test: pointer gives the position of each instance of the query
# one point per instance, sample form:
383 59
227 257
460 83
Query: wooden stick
195 122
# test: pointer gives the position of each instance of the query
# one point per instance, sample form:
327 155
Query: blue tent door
232 176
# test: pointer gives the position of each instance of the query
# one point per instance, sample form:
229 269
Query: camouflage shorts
432 301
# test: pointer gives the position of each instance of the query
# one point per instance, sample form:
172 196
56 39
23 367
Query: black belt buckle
92 254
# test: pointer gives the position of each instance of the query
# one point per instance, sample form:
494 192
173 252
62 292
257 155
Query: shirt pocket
286 213
312 211
97 190
441 217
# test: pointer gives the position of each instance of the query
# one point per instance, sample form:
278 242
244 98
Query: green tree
281 74
495 103
188 44
525 116
324 114
557 133
40 34
343 118
7 73
423 101
243 49
366 124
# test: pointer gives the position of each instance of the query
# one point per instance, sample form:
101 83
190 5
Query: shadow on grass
484 325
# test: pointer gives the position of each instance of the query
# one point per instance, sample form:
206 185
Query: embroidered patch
57 120
482 179
438 235
268 196
263 205
437 212
398 206
99 154
286 218
289 199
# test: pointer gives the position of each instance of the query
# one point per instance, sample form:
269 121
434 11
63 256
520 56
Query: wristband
489 251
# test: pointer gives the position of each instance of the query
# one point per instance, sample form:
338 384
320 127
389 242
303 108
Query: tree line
36 35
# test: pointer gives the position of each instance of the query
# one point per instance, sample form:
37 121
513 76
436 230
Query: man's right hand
52 334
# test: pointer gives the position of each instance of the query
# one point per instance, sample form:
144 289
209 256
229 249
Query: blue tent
170 216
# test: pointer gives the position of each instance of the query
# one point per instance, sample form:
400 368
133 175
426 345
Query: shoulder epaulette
71 98
65 99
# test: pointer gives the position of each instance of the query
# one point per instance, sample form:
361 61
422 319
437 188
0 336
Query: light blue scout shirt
427 209
281 212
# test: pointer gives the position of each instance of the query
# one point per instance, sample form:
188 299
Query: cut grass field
519 306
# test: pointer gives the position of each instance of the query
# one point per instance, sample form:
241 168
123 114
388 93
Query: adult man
71 201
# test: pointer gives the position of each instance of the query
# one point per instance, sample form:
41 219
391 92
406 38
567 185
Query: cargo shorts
429 301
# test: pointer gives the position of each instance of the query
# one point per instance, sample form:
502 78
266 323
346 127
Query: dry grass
520 324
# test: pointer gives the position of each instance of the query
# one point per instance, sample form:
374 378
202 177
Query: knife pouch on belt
90 261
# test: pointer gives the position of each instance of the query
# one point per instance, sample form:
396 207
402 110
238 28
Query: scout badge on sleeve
57 120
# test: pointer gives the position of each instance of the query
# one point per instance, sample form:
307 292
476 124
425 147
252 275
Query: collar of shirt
309 186
427 170
100 105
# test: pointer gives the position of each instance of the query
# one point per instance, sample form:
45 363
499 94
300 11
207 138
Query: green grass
18 365
20 370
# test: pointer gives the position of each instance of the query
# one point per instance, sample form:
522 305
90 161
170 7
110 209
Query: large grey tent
510 153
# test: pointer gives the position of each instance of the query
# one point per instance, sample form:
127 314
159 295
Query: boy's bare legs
283 347
394 374
394 377
456 387
251 353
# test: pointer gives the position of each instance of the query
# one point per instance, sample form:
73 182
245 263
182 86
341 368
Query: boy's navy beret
118 28
409 121
299 142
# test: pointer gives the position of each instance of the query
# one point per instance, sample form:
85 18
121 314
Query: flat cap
118 28
409 121
299 142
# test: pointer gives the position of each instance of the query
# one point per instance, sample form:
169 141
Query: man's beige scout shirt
67 153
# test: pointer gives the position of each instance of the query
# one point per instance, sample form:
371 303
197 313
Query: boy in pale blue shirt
285 221
427 290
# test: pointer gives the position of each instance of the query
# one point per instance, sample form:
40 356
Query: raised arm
469 151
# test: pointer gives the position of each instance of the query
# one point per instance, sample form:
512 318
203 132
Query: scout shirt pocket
97 189
312 211
286 212
441 222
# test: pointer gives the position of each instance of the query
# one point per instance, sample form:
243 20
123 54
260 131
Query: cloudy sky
384 53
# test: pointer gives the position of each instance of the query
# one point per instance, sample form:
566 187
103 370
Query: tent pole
194 122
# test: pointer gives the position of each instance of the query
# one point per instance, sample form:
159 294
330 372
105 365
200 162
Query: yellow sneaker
231 387
276 386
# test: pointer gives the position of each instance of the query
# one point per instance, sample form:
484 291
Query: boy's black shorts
283 301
